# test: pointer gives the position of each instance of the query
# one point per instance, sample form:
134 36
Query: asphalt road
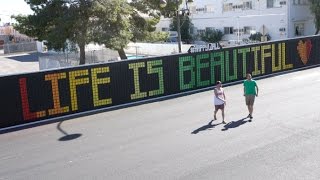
174 139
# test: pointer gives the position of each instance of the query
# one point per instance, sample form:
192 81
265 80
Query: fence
10 48
99 54
57 60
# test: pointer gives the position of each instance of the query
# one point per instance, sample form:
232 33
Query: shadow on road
66 137
30 57
208 126
235 124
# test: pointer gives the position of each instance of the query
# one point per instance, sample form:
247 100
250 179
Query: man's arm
257 90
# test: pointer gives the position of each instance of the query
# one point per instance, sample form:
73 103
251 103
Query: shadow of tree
208 126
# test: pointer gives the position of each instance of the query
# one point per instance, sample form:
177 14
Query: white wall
40 47
258 16
155 49
301 14
272 18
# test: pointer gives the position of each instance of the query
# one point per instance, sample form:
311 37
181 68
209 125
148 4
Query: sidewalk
18 63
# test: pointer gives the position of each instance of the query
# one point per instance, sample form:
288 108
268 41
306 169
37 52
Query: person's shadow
235 124
208 126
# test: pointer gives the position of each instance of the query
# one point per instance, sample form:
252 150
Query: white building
280 19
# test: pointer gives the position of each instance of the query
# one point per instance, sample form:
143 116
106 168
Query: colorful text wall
42 95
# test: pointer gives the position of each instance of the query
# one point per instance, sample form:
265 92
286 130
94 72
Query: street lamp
185 11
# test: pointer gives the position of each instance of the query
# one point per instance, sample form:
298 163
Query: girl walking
219 100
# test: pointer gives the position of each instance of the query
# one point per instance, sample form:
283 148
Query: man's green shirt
250 87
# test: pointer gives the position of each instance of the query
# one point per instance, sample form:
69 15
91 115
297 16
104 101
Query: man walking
250 90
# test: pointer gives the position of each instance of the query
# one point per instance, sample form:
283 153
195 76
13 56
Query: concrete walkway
18 63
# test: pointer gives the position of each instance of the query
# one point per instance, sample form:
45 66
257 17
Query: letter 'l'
27 115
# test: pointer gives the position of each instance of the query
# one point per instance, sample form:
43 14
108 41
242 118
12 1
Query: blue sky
12 7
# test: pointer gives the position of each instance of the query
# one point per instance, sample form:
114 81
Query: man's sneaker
251 116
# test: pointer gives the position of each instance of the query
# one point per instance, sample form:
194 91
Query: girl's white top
218 101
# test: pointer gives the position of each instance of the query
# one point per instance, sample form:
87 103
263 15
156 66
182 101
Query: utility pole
163 3
179 30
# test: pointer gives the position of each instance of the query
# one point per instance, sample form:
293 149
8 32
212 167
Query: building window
299 29
238 31
247 5
227 7
201 31
209 28
242 6
228 30
282 3
164 29
269 3
201 10
282 29
300 2
248 29
273 3
237 6
209 8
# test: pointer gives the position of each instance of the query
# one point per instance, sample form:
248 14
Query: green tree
170 11
185 27
171 7
315 9
257 36
156 36
113 23
142 27
212 36
119 22
59 22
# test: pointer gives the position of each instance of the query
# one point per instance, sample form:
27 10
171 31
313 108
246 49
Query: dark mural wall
42 95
